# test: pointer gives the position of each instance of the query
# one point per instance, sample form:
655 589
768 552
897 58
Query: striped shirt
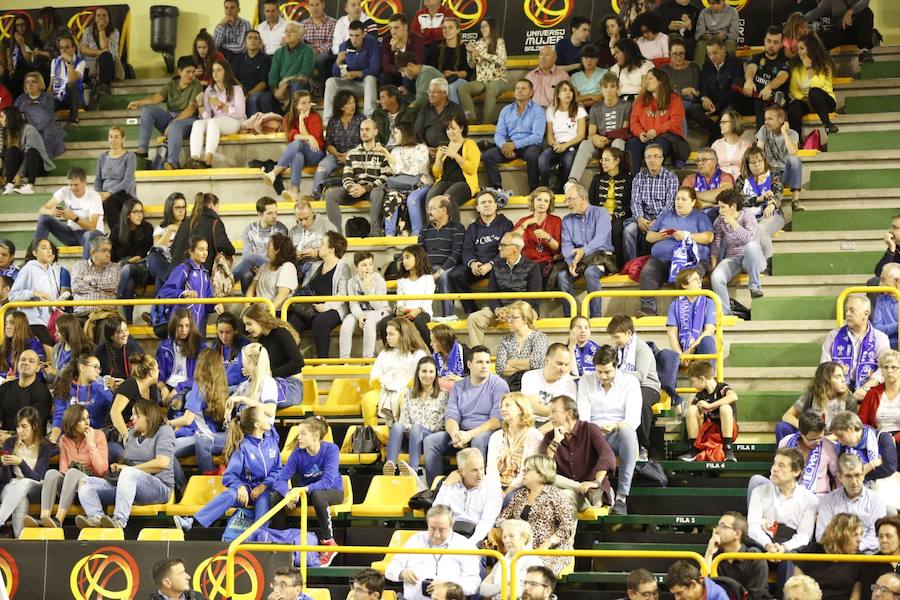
89 283
230 37
443 246
320 36
369 168
735 239
650 195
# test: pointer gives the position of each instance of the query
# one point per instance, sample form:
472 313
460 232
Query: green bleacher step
826 263
701 466
784 354
858 105
699 548
790 308
98 133
852 179
860 219
23 203
675 447
880 70
661 520
607 577
764 406
118 101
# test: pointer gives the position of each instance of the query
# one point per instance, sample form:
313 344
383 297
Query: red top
415 44
552 225
868 408
645 118
429 27
204 77
313 126
6 98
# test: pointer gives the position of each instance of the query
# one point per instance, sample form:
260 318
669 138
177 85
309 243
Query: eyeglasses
532 583
724 526
810 440
878 590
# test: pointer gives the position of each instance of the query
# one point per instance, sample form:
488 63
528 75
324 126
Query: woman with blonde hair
516 536
541 230
514 442
282 344
802 587
260 388
837 580
523 348
394 368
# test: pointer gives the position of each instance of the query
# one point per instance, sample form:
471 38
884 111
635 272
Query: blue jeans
437 444
592 277
417 435
752 263
68 237
792 175
216 508
202 447
783 429
135 487
668 362
454 89
158 265
154 116
635 147
243 271
492 158
326 166
415 206
263 102
624 443
443 287
131 276
297 155
548 158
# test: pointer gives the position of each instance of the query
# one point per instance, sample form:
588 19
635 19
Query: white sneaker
8 189
269 178
25 189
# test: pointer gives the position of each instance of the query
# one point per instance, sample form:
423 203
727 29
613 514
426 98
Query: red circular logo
469 12
210 577
8 20
294 11
10 571
108 572
381 11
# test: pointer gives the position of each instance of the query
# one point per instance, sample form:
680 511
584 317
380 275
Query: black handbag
425 499
650 474
365 441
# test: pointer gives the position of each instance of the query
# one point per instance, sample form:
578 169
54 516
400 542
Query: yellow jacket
471 158
802 79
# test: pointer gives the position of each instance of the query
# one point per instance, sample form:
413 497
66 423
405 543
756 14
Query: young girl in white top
224 108
260 388
409 162
415 278
394 368
631 67
566 128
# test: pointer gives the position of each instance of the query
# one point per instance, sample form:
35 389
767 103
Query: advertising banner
76 18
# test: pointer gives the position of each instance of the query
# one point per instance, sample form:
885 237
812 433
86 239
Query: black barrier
530 24
36 570
77 18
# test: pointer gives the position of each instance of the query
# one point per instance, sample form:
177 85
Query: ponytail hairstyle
201 201
256 354
241 425
190 347
260 314
210 377
141 365
68 377
15 345
317 425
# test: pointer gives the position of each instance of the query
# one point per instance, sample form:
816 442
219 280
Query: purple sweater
735 239
471 405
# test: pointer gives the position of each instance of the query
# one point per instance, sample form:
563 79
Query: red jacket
647 117
6 99
868 408
431 28
313 126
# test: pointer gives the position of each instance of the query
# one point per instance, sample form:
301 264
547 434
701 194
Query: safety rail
801 557
673 554
127 302
864 289
719 356
233 547
551 295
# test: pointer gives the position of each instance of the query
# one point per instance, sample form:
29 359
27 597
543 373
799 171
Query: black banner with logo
76 18
89 570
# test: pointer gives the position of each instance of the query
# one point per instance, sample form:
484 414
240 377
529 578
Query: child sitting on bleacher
228 344
190 279
177 355
581 346
394 368
80 383
253 466
364 314
711 418
313 466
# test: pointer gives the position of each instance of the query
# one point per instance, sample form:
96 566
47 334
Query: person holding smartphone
132 239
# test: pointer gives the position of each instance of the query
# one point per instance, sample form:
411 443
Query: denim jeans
492 157
668 362
417 435
624 443
67 236
15 498
216 508
592 277
548 158
297 155
130 277
158 265
438 444
135 487
328 164
243 271
156 117
204 448
442 286
415 205
263 102
792 175
752 263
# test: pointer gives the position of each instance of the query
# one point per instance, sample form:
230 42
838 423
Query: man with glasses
820 457
728 536
652 191
641 585
853 498
307 235
887 587
888 529
287 585
96 277
708 181
368 584
538 584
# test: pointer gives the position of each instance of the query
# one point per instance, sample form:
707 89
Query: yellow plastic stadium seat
387 497
148 510
200 489
310 397
156 534
335 509
291 439
566 570
388 595
42 533
102 534
665 403
592 514
343 397
318 593
348 457
398 539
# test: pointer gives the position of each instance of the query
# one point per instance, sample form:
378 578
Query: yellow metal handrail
800 557
128 302
719 356
551 295
234 547
694 556
864 289
293 494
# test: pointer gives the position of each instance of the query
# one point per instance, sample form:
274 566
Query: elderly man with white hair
885 316
423 574
854 498
857 345
474 498
545 76
292 64
431 121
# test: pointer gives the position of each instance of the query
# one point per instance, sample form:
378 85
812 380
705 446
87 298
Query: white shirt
268 393
768 505
868 506
534 383
650 49
622 402
422 285
565 128
479 505
630 81
88 205
179 368
272 36
464 570
395 370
